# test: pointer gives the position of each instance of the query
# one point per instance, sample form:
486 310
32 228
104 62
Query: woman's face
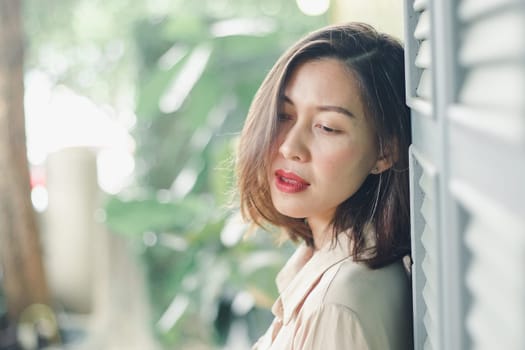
325 147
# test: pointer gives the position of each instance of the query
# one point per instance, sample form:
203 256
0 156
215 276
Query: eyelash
327 129
283 117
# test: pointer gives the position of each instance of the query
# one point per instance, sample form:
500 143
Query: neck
321 231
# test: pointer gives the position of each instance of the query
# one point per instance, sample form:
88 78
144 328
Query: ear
383 163
386 159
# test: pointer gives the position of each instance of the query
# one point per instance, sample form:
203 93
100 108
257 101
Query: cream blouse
327 301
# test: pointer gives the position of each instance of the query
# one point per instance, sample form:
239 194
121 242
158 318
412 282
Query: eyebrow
325 108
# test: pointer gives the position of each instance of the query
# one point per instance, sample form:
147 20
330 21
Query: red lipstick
289 182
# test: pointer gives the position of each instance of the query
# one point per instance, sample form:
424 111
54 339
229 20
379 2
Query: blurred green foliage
191 68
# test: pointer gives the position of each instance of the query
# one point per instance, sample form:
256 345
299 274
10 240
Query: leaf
152 89
135 217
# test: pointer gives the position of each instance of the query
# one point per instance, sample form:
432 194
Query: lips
290 182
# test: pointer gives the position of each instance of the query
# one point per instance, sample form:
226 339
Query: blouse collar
302 272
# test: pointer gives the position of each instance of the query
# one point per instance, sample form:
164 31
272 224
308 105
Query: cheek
350 165
333 166
337 165
342 155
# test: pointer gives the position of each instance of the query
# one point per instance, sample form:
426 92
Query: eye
327 129
283 117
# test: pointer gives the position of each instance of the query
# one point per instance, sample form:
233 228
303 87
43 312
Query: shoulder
380 300
333 327
354 285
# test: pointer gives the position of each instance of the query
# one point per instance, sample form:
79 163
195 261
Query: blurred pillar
24 281
92 271
70 225
384 15
121 317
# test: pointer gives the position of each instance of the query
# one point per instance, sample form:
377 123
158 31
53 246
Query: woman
323 155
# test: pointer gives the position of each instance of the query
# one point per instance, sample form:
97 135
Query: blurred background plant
132 112
199 66
178 76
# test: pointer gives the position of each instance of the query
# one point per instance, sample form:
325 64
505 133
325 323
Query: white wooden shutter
424 175
491 58
487 133
494 282
419 72
424 212
423 58
467 172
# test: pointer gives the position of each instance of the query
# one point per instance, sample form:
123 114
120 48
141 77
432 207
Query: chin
292 213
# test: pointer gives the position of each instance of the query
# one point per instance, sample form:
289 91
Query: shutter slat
426 185
491 279
483 334
503 301
501 87
428 267
422 30
428 240
429 263
429 320
495 241
430 298
428 345
468 9
490 121
424 55
477 35
502 253
427 210
480 281
420 5
429 325
424 88
425 273
429 295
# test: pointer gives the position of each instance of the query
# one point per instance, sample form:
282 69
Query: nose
294 145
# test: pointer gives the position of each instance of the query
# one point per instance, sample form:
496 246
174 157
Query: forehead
324 80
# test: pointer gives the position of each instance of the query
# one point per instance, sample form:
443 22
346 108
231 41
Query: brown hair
381 205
